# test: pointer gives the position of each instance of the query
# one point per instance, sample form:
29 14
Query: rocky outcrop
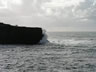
19 35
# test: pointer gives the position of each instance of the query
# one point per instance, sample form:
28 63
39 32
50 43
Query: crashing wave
44 38
21 35
71 42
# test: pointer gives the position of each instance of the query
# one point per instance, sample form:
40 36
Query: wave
44 38
71 42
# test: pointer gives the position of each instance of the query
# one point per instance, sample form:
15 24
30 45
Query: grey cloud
38 13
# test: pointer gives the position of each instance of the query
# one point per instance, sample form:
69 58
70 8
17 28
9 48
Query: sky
52 15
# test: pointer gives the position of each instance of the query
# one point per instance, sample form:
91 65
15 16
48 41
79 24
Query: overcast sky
53 15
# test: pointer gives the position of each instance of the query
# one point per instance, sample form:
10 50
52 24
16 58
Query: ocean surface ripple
67 52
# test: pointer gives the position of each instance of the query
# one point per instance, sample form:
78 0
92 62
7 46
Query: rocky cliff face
19 35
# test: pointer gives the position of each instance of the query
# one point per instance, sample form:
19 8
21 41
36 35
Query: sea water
73 38
79 50
65 52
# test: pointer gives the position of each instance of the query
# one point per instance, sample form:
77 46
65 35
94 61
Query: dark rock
19 35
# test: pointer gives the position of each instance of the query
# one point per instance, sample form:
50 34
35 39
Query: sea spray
44 38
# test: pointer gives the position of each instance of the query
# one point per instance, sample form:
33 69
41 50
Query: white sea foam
71 42
44 38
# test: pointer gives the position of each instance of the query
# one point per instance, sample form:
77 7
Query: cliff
19 35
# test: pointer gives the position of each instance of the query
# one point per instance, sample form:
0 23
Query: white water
44 38
52 57
71 42
73 39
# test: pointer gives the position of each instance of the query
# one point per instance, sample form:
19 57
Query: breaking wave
71 42
44 38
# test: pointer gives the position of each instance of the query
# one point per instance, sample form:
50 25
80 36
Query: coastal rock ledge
20 35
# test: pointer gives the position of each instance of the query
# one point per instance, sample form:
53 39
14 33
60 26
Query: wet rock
19 35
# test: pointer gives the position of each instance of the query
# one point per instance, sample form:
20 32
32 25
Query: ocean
65 52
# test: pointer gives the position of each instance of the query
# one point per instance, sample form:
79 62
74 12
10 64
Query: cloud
79 9
57 6
10 7
46 13
65 8
62 3
3 4
7 3
20 7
